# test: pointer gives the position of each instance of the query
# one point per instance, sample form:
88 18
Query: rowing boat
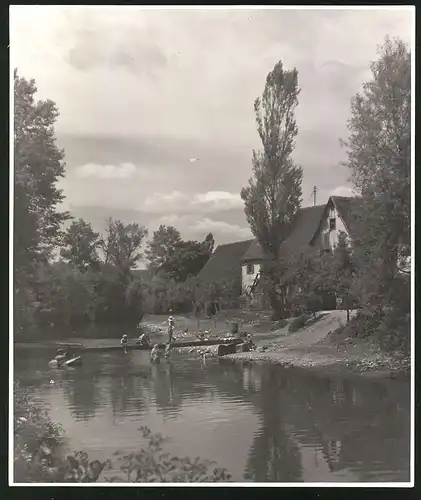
76 361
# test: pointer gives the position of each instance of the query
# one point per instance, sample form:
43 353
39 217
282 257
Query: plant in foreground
39 455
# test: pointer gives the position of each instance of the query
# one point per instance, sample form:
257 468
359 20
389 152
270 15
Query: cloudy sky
156 106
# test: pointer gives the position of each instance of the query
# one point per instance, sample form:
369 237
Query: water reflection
263 423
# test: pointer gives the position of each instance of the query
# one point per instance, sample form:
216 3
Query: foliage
273 196
174 258
282 323
36 440
298 323
161 248
307 279
122 246
38 166
193 295
152 465
39 455
79 246
379 157
67 296
134 295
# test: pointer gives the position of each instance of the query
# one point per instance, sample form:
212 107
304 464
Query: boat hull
77 361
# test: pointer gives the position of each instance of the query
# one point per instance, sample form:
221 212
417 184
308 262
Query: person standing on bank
171 324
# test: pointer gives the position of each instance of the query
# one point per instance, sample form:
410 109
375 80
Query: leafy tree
122 246
79 246
379 157
189 258
38 165
307 281
134 299
169 255
273 196
162 247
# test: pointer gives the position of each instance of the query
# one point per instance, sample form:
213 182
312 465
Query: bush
298 323
282 323
37 440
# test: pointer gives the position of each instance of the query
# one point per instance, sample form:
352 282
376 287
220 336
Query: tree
162 247
273 196
379 157
170 256
79 246
134 299
122 246
39 165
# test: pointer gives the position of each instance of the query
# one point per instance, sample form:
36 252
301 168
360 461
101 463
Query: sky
156 106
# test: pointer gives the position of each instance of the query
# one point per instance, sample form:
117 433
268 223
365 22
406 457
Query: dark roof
304 226
225 262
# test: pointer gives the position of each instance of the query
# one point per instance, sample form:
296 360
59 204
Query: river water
262 423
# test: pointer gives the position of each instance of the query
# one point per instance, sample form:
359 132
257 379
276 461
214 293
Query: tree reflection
273 456
83 397
359 425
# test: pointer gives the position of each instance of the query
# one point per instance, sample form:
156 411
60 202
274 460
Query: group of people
146 341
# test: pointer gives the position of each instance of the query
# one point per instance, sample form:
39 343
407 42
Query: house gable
338 216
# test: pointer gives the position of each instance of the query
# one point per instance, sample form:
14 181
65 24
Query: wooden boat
76 361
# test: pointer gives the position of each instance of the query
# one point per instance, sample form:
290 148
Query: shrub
282 323
298 323
37 440
151 465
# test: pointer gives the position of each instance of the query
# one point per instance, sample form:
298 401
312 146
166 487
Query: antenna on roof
314 195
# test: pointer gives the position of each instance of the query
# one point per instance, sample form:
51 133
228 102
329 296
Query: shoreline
380 366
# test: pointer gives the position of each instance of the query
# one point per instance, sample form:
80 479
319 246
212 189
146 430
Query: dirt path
314 333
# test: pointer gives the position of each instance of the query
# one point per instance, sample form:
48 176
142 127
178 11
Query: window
250 268
332 223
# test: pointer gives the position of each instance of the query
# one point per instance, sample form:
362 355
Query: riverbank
320 346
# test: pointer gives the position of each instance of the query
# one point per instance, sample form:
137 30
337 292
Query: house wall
331 235
248 279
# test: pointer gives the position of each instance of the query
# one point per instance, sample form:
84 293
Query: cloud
178 202
217 226
343 191
122 171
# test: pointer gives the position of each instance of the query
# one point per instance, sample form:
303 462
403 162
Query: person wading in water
123 342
